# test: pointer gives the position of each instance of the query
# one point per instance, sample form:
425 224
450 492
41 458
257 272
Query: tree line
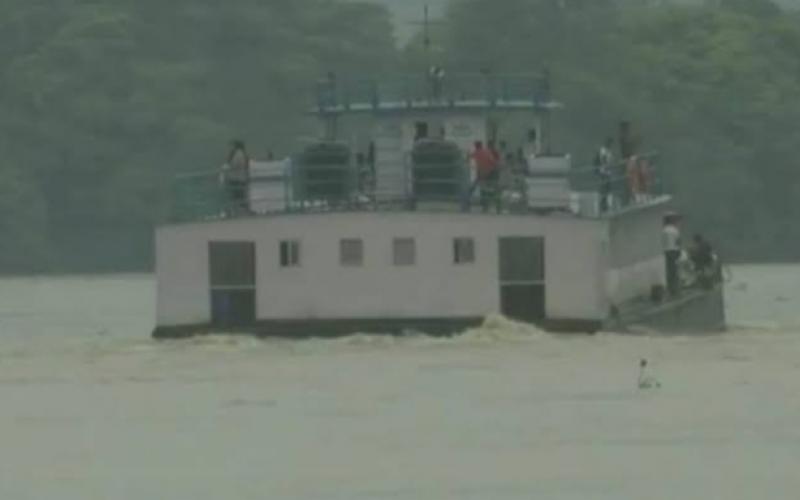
713 86
102 103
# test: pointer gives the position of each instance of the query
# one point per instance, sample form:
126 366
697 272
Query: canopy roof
436 92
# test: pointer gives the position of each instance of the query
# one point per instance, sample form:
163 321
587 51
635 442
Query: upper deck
434 92
575 193
418 156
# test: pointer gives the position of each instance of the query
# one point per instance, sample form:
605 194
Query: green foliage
715 86
25 245
103 102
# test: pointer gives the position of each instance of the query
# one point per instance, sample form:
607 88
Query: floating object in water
645 381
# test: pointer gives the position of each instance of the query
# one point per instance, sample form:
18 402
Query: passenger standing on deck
236 176
436 75
490 191
603 165
486 172
531 148
628 145
672 252
634 179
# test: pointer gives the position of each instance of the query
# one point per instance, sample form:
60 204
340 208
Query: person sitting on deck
236 177
487 174
704 262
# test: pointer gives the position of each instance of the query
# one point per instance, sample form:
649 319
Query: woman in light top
236 176
637 170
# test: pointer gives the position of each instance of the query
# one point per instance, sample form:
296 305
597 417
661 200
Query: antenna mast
427 36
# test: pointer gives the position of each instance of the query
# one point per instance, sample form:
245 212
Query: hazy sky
408 12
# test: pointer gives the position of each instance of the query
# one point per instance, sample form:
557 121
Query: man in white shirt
531 148
671 240
603 168
236 177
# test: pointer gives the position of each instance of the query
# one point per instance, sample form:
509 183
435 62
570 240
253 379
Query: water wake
498 328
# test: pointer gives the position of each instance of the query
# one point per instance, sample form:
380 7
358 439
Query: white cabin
403 269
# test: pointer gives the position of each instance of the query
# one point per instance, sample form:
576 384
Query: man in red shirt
487 170
485 161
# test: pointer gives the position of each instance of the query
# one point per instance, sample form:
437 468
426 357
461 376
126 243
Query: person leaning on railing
487 176
637 171
604 161
236 177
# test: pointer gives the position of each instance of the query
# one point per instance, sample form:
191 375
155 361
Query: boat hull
318 328
694 312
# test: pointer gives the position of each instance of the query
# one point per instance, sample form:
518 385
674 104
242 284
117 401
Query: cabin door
522 278
232 277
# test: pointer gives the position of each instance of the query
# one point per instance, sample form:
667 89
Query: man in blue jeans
487 176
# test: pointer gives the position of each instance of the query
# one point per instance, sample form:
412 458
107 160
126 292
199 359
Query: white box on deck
548 183
268 189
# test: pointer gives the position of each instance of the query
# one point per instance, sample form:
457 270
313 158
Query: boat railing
590 193
334 95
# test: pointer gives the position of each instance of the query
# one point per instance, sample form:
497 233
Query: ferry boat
375 227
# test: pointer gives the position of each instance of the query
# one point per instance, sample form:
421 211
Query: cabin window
405 252
463 251
351 252
290 253
232 279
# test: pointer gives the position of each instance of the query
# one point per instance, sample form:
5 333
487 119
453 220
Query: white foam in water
503 412
497 327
